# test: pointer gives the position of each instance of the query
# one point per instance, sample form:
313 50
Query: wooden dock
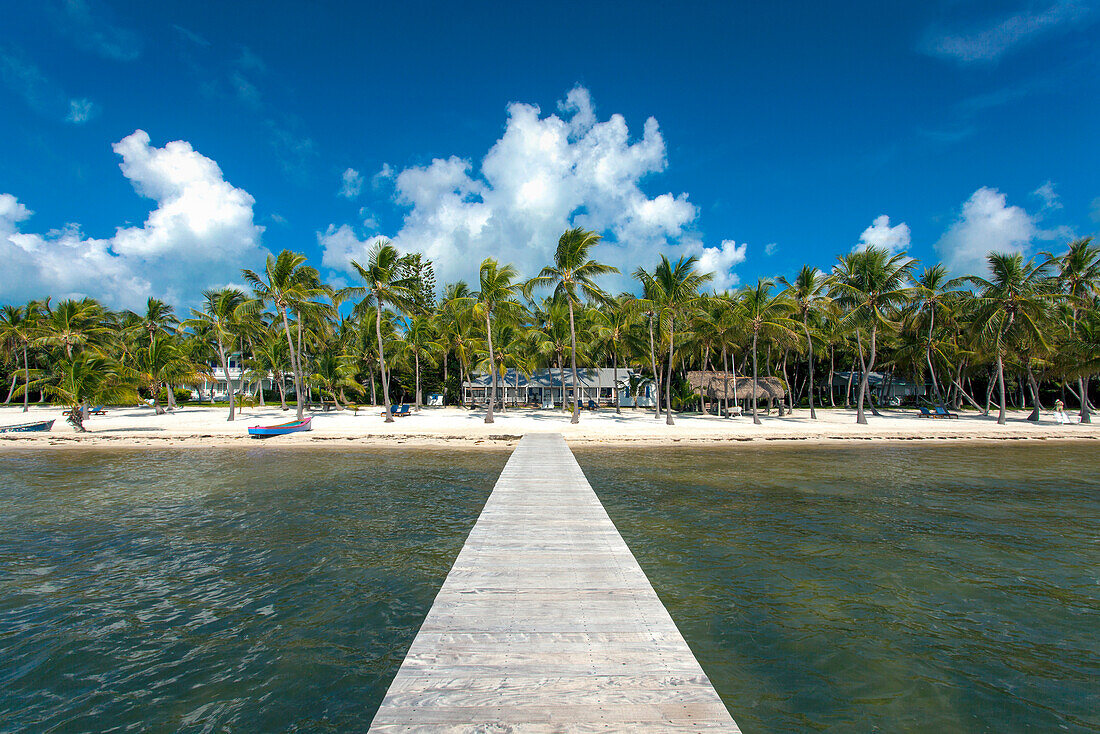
546 623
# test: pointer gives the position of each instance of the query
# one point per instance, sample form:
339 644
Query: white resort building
544 387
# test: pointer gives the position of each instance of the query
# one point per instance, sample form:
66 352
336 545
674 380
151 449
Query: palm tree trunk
787 397
493 369
810 364
11 391
382 358
832 364
866 376
733 367
615 378
1001 386
573 343
294 366
653 363
416 359
228 381
668 382
928 356
282 389
1082 386
26 383
1033 387
445 377
755 417
561 376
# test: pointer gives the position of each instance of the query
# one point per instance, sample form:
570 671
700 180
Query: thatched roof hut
713 386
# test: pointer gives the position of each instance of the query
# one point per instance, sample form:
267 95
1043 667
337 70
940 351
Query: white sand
205 426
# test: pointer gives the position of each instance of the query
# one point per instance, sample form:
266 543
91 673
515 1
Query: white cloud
990 43
770 248
1095 211
200 233
881 234
351 183
986 224
721 260
81 110
1048 196
544 175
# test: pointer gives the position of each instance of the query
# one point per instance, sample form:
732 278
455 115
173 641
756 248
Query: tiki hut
714 386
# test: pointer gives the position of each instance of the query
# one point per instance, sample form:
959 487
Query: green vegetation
1028 330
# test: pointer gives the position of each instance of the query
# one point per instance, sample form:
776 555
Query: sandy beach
207 426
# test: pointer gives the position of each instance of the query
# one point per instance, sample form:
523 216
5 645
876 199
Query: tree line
1028 329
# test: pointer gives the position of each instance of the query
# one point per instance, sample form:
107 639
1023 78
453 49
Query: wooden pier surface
546 623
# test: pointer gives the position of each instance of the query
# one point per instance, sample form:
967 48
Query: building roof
545 378
714 386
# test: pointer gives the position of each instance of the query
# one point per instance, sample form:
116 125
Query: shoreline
206 427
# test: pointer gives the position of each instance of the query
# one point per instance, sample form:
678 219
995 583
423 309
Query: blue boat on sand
28 427
281 429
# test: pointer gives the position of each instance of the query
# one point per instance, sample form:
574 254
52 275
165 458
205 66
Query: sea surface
865 587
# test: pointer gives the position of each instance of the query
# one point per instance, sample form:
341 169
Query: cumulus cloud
770 248
989 43
351 183
986 224
545 174
721 261
881 234
200 234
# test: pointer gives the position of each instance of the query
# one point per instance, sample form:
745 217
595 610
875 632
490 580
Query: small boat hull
281 429
28 427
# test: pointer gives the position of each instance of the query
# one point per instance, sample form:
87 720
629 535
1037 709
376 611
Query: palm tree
74 325
808 293
571 272
673 288
383 285
420 343
287 283
871 283
497 296
18 329
935 292
269 357
161 364
1079 278
335 374
767 315
611 328
1011 303
221 313
83 379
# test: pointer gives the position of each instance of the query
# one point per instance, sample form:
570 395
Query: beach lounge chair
398 411
942 412
926 413
592 405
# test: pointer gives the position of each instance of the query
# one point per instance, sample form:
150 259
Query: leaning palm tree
611 327
497 296
766 314
871 283
85 378
808 293
218 320
161 364
1012 303
384 284
935 292
674 290
573 274
287 283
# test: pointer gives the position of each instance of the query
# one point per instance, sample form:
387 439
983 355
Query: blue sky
157 148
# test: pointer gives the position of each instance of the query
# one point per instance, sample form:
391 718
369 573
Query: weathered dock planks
546 623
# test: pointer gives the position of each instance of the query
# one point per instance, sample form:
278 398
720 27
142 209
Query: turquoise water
880 587
224 590
876 588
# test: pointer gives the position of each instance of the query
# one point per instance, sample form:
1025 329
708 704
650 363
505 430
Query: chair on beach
398 411
926 413
942 412
592 405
